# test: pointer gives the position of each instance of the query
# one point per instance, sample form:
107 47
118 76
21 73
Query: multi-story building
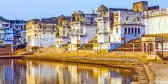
12 33
118 25
1 34
128 25
41 33
156 31
63 30
83 29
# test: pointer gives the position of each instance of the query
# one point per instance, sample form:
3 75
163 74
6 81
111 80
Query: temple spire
92 11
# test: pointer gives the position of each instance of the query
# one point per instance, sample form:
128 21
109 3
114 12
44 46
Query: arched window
138 19
116 30
78 19
73 19
125 30
129 31
81 30
132 30
127 18
135 30
139 31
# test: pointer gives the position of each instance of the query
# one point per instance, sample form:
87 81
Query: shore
132 60
105 60
100 60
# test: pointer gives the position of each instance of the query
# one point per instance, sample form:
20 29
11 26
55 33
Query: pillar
142 47
154 48
133 47
162 47
146 47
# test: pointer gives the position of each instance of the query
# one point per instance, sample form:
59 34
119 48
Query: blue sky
29 9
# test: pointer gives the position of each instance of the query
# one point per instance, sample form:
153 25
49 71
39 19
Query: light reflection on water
40 72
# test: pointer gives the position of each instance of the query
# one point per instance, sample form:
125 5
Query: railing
102 31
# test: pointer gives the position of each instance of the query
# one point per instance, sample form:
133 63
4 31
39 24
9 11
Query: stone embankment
104 61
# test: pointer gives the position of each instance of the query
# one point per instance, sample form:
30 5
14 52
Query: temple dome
62 17
80 13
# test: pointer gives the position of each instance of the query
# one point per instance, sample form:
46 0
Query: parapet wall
158 12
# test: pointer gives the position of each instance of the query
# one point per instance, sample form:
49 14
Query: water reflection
12 72
39 72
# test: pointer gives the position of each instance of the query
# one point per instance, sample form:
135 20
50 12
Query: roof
62 17
102 8
120 9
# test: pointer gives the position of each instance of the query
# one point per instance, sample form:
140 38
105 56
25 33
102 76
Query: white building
115 25
40 33
127 25
156 22
83 29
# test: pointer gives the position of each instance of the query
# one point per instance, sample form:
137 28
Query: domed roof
102 8
80 12
62 17
74 13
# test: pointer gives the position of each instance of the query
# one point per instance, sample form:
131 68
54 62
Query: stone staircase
129 46
89 45
142 75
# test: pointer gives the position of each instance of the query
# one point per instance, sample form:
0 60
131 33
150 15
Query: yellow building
140 6
31 33
63 28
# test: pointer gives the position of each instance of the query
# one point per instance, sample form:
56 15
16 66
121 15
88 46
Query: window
35 35
125 30
135 30
132 31
81 30
116 30
138 19
116 18
129 31
63 32
127 18
139 31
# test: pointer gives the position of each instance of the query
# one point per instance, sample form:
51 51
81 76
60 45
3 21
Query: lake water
43 72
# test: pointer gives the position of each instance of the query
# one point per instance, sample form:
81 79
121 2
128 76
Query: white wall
48 39
103 38
157 24
45 40
116 37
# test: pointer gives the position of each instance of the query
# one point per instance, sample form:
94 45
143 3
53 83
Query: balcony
100 18
102 31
